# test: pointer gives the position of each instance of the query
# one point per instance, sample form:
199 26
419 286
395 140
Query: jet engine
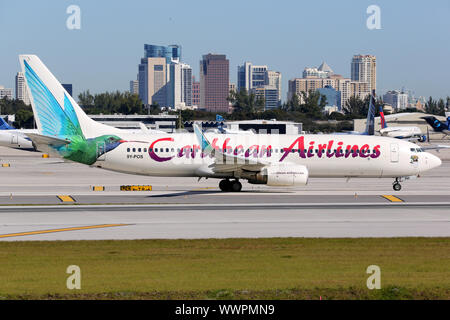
281 175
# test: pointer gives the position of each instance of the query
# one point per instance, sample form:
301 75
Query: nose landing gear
396 185
230 186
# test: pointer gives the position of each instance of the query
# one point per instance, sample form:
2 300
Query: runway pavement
44 199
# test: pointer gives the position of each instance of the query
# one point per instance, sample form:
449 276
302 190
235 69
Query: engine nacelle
281 175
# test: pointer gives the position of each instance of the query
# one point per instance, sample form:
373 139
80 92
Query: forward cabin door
394 152
14 138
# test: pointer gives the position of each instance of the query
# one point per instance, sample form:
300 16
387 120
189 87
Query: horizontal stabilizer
46 143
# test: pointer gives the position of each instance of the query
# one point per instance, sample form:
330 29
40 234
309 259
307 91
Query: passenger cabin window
128 149
134 149
139 150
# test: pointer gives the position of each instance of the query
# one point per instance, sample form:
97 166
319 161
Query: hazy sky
412 47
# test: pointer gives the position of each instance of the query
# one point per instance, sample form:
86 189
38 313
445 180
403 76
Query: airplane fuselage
16 138
322 155
401 132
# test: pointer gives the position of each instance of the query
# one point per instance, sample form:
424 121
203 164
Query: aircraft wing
227 162
435 147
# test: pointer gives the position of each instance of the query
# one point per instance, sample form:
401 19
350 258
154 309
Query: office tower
364 69
345 86
5 93
179 88
154 74
134 86
323 71
21 88
171 53
195 92
214 82
398 100
273 79
332 95
270 95
68 87
261 78
250 76
152 81
232 87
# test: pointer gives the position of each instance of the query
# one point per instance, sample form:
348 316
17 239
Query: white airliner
274 160
15 138
400 132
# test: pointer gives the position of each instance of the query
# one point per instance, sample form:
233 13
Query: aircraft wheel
236 186
224 185
397 186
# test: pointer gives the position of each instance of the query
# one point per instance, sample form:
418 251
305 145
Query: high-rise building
269 94
364 69
179 87
195 92
398 100
345 86
250 76
160 79
273 80
21 88
134 86
332 95
214 82
232 87
5 93
261 78
171 53
323 71
152 81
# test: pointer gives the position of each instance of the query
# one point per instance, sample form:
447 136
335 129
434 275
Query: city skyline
411 48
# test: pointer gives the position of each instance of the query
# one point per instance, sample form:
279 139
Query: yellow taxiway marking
66 198
205 188
29 233
392 198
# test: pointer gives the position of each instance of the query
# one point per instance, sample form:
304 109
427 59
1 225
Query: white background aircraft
400 132
274 160
15 138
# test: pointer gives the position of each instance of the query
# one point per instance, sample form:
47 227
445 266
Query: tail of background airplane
4 125
370 122
383 120
437 125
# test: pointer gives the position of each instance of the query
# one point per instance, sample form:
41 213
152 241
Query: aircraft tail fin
435 123
4 125
370 123
382 119
56 112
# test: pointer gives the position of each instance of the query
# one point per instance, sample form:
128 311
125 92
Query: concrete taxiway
47 199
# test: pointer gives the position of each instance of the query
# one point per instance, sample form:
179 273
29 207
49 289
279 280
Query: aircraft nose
434 161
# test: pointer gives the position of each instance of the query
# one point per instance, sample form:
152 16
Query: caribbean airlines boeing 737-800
274 160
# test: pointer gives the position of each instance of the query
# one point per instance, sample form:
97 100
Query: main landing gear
396 185
231 186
